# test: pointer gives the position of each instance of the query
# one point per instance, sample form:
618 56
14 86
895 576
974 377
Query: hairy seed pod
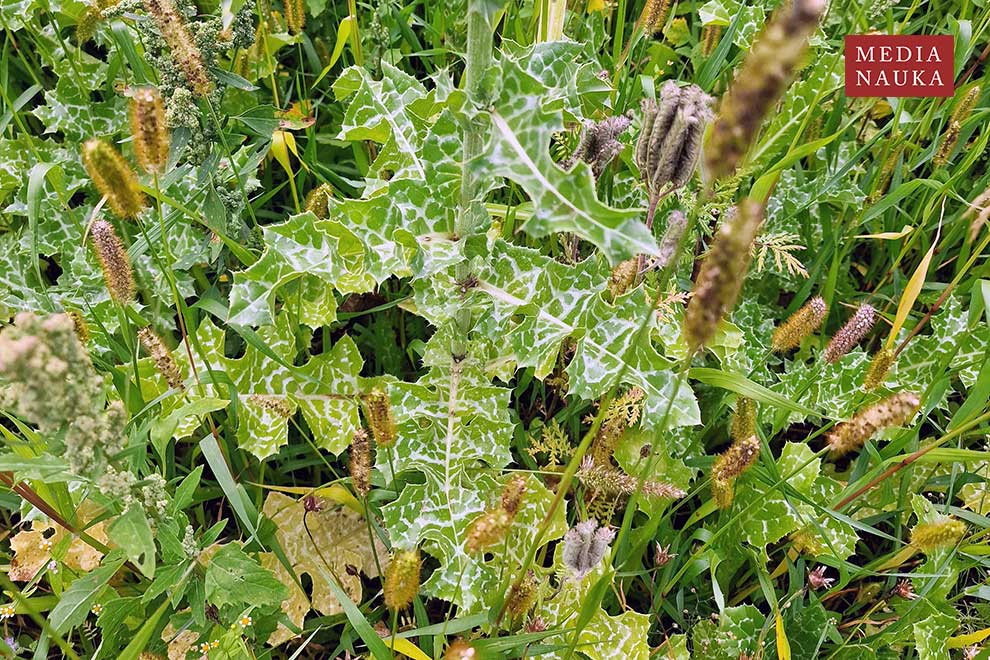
151 136
585 545
879 366
653 16
113 177
401 582
513 493
676 224
710 35
729 465
851 333
487 530
378 411
361 462
295 15
760 82
949 140
114 263
599 144
942 533
79 325
186 54
895 410
162 357
670 139
721 276
743 419
622 277
274 404
521 596
318 199
789 334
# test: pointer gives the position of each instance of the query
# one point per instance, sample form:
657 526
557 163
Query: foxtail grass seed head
623 276
513 493
401 582
79 325
879 367
885 176
743 419
851 333
487 530
186 54
113 177
149 129
162 357
114 262
654 15
721 276
381 420
318 200
295 15
274 404
361 462
895 410
585 545
602 479
948 143
728 466
670 138
942 533
710 36
966 104
759 83
789 334
521 596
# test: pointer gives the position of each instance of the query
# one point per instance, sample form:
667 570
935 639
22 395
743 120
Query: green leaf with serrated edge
324 389
605 635
454 427
522 126
234 578
79 598
539 303
131 533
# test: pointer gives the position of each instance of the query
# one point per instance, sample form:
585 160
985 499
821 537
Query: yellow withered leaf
331 541
33 549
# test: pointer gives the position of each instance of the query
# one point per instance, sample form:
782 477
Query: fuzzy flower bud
895 410
318 199
760 82
743 419
944 532
585 545
851 333
879 366
487 530
720 279
789 334
361 462
113 177
162 357
599 144
671 135
114 263
401 582
184 50
739 457
378 412
151 136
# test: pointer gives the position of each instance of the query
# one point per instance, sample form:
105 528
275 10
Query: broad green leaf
234 578
131 533
76 601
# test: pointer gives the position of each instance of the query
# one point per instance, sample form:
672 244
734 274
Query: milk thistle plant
604 330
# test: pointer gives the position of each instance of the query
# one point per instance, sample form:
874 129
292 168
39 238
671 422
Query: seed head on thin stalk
653 16
401 583
851 333
759 83
381 420
789 334
149 129
114 262
879 367
743 419
113 177
295 15
710 36
184 50
944 532
162 357
728 466
895 410
360 463
721 276
958 117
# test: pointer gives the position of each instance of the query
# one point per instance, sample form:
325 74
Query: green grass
471 305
